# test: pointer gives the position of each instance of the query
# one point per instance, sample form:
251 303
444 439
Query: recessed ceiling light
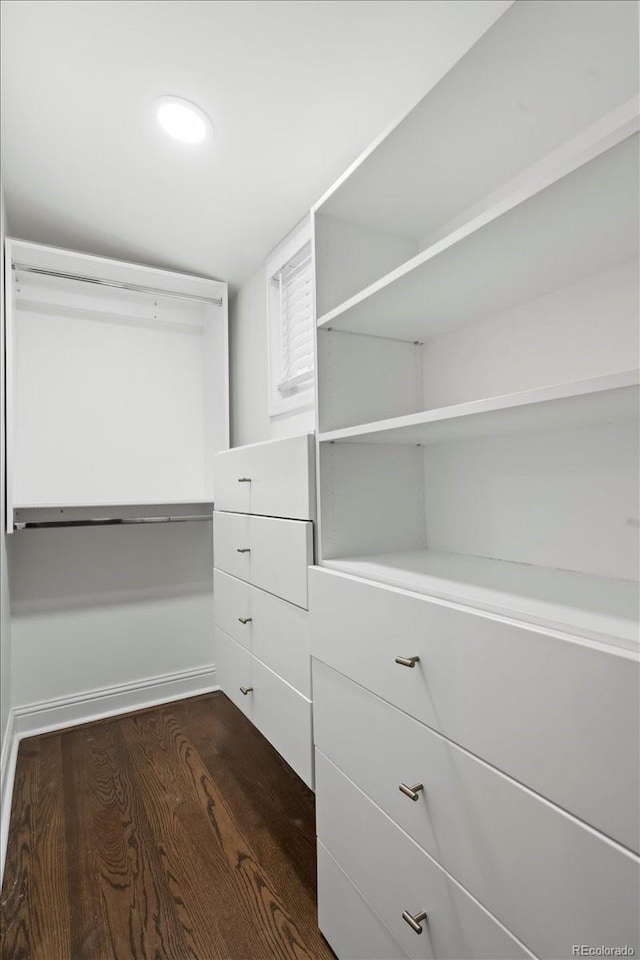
182 119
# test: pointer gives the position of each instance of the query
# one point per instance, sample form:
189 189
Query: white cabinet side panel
348 257
362 379
371 497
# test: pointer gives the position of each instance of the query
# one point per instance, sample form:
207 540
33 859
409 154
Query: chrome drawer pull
408 661
411 792
246 690
414 922
244 549
244 619
244 479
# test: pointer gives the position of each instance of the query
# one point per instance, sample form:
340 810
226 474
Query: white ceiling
296 90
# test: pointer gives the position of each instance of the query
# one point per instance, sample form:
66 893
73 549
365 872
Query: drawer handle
246 690
244 479
244 549
411 792
414 922
408 661
244 619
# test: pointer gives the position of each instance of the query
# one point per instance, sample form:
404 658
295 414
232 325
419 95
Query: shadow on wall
78 567
94 607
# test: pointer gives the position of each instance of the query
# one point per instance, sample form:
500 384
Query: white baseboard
47 715
8 758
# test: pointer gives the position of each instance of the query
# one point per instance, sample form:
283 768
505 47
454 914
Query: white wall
5 619
101 606
249 371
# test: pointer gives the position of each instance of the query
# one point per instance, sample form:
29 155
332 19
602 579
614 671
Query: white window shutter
296 321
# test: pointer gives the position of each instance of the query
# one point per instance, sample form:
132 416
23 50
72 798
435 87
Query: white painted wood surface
115 396
284 717
277 632
234 669
481 826
371 499
345 918
271 553
280 475
232 601
524 700
561 504
563 500
498 107
585 331
546 238
489 496
351 369
349 256
599 608
393 874
603 399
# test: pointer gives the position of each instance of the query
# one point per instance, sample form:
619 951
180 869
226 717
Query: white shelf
494 114
566 220
598 608
612 397
109 504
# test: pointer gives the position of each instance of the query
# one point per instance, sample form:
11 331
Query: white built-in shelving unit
476 281
117 386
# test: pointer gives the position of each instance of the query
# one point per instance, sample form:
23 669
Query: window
290 318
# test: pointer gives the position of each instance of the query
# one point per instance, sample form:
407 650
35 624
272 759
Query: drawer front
270 553
559 716
394 875
283 716
233 670
277 632
520 856
275 479
231 604
346 920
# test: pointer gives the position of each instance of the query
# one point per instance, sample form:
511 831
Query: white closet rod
107 521
118 284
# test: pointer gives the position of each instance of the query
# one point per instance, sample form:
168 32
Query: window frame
301 397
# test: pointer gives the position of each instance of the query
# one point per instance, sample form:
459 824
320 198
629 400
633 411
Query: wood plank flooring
176 833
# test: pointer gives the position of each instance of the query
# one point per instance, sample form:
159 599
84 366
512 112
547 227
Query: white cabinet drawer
394 875
284 717
520 856
276 632
271 553
346 920
558 715
275 478
233 670
231 605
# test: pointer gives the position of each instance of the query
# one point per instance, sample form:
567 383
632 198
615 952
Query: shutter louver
296 318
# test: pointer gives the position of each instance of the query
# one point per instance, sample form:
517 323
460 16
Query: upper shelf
581 224
611 397
495 113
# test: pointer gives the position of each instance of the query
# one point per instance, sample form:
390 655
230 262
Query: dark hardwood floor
176 833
